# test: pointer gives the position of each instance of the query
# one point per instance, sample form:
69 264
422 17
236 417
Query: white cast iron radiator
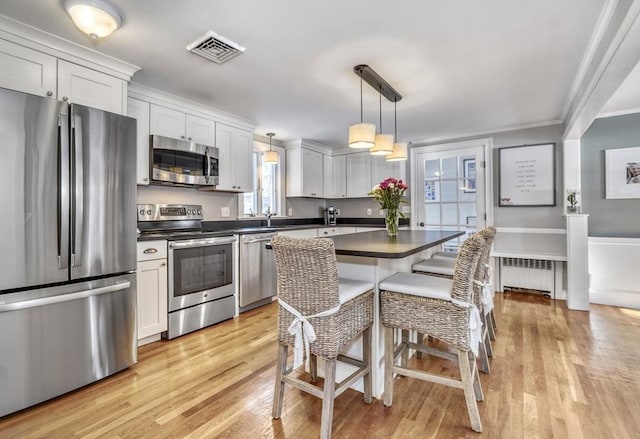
529 274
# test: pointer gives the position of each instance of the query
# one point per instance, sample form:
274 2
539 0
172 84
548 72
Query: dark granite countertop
377 244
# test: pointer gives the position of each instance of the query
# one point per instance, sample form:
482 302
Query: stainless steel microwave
180 162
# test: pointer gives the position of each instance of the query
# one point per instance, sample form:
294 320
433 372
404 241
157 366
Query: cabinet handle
49 93
145 179
182 137
188 138
150 251
64 98
163 264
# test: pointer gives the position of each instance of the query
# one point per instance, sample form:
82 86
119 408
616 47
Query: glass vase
391 220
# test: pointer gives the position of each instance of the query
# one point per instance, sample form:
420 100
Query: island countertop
377 244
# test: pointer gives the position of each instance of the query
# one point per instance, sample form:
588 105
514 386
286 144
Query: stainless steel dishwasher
257 270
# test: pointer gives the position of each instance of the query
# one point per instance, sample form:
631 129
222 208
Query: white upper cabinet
27 70
339 176
235 147
80 85
178 125
358 174
381 169
305 173
30 71
139 110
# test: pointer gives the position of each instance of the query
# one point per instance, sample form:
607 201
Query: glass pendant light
399 149
384 142
270 157
362 135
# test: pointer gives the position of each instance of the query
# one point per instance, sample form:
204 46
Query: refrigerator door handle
63 191
78 185
6 307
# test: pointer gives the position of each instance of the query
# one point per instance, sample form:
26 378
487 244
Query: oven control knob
142 212
149 212
200 212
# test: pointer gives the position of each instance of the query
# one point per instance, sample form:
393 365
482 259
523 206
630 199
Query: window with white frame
267 193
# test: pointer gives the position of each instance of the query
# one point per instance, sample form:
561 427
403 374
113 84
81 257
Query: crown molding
618 113
309 144
36 39
154 96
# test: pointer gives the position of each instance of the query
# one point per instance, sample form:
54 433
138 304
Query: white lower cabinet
152 290
301 233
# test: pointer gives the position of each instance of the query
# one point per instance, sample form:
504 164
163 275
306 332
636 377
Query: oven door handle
257 240
201 243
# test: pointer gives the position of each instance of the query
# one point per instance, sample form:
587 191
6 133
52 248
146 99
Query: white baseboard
622 298
147 340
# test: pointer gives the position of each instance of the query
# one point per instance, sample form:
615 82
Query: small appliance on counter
330 215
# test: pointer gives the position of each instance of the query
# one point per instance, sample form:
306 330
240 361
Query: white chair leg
278 391
366 358
388 366
328 397
469 392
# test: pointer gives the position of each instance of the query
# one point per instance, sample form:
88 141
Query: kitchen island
374 256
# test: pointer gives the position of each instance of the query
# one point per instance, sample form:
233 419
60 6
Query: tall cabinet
235 147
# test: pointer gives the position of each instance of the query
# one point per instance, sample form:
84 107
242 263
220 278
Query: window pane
450 191
450 214
449 167
431 168
433 214
269 196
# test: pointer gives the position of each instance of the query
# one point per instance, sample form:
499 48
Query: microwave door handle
78 185
63 191
208 159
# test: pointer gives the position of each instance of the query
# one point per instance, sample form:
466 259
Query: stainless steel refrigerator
67 247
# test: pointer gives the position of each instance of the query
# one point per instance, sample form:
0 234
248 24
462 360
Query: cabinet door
224 139
358 174
27 70
381 169
139 110
200 130
327 176
312 173
339 176
302 233
167 122
152 297
84 86
242 152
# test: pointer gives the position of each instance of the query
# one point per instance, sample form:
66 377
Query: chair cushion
418 285
444 255
350 288
439 266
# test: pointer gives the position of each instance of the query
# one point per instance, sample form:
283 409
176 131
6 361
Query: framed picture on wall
622 173
432 191
527 175
469 175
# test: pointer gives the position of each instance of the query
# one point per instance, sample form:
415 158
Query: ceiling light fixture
270 157
399 149
362 135
96 18
384 142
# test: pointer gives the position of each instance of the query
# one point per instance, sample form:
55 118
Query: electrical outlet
337 211
224 212
369 211
290 211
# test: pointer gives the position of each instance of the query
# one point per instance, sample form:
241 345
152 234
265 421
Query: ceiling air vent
215 47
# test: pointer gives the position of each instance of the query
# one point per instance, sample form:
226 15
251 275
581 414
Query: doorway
450 187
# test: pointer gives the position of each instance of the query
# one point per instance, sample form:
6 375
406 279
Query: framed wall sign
527 175
622 173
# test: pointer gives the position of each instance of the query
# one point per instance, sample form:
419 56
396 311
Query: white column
577 262
571 169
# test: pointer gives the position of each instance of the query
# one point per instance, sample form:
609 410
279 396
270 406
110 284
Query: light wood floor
555 374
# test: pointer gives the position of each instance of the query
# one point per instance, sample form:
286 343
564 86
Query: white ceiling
463 66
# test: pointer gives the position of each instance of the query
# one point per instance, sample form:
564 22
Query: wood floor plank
555 374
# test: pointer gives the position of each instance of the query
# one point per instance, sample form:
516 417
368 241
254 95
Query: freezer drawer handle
150 250
63 297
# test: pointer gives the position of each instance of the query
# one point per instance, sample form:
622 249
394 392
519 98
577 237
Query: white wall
613 271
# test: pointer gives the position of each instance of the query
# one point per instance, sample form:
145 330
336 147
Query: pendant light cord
380 91
395 119
361 119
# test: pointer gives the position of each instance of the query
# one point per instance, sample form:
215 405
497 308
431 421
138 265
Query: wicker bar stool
442 309
319 314
483 297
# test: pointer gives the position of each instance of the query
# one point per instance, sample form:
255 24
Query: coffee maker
330 214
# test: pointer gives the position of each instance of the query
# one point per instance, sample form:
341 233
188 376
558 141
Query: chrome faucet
268 214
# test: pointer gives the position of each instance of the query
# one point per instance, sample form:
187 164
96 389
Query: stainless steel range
201 281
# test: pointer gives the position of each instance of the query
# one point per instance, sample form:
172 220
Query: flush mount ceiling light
362 135
96 18
399 149
270 157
